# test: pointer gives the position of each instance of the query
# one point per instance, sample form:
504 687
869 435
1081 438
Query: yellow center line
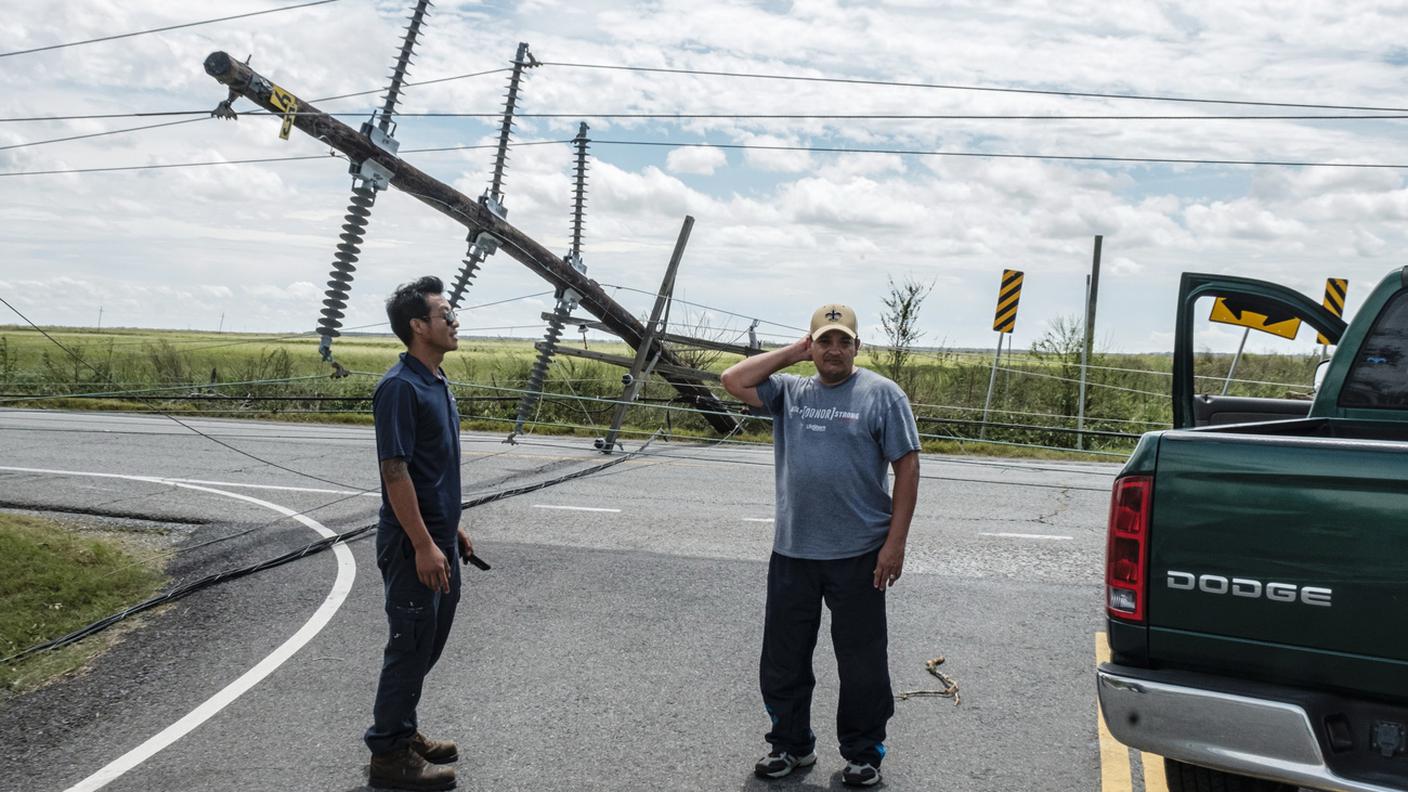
1116 759
1154 779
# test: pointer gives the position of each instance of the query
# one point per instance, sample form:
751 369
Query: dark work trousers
796 589
419 621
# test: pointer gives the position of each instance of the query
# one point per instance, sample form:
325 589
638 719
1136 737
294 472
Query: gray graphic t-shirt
833 447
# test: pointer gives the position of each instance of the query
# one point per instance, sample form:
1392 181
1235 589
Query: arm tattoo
394 470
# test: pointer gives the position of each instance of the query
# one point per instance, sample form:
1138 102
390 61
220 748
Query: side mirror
1320 369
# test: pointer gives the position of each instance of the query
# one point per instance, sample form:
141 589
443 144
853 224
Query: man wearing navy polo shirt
418 445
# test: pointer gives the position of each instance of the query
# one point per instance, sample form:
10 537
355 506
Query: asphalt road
613 646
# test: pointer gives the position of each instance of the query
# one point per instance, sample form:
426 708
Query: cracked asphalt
613 645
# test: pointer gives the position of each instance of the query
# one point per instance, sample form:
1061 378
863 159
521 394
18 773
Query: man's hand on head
802 349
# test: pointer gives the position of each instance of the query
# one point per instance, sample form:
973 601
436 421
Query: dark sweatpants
419 621
796 589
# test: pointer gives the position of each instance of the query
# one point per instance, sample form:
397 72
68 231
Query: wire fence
1035 399
563 407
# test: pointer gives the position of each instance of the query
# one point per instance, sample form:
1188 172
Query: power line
954 87
164 165
30 143
311 334
762 147
1001 155
206 115
186 387
699 305
508 300
799 115
162 29
101 116
294 555
183 424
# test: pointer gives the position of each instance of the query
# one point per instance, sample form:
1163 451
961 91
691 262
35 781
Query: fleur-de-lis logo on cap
833 314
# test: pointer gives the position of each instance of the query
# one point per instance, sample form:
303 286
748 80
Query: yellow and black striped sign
1005 320
1335 290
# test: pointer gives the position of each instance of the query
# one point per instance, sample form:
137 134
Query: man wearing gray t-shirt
839 537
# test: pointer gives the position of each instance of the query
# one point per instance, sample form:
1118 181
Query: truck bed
1317 428
1280 552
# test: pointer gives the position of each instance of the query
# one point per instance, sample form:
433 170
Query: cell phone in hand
471 558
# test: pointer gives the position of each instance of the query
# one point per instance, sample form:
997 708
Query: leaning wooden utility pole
244 81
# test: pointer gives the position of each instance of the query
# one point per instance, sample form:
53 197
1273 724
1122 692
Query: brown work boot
435 751
406 769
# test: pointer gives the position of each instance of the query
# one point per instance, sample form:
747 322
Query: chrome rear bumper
1237 734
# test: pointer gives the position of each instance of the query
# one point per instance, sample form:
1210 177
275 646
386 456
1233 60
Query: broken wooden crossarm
244 81
663 369
672 338
950 689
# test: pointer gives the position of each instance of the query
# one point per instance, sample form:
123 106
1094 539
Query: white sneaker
779 763
860 774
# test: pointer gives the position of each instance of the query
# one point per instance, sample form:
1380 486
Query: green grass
53 580
1126 393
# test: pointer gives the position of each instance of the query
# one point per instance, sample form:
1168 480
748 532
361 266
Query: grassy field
1035 396
54 580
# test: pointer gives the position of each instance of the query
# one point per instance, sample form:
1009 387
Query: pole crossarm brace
671 338
244 81
663 369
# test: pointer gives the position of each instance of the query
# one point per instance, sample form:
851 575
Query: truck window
1378 377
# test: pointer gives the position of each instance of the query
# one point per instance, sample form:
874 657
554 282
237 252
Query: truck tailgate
1282 558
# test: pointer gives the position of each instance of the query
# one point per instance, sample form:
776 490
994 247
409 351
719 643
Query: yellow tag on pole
1249 312
288 103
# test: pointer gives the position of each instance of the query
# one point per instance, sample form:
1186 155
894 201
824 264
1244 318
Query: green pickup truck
1257 566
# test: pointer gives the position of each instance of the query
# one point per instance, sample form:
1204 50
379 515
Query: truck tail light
1126 554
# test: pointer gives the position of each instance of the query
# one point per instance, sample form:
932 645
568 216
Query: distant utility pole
1092 290
221 329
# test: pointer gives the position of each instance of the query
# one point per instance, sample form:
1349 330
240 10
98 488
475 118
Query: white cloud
774 227
1241 220
299 290
700 160
776 155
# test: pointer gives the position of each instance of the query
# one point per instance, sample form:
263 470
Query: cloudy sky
248 247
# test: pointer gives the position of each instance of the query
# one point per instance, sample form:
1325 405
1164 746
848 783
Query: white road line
757 519
1057 537
574 508
341 586
376 493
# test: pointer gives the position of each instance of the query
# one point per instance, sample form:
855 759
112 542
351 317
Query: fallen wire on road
950 689
311 548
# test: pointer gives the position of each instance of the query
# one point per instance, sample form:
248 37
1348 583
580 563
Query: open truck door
1192 409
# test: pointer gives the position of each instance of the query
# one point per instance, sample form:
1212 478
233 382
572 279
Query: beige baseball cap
834 317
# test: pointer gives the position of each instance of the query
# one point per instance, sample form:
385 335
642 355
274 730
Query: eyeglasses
450 316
